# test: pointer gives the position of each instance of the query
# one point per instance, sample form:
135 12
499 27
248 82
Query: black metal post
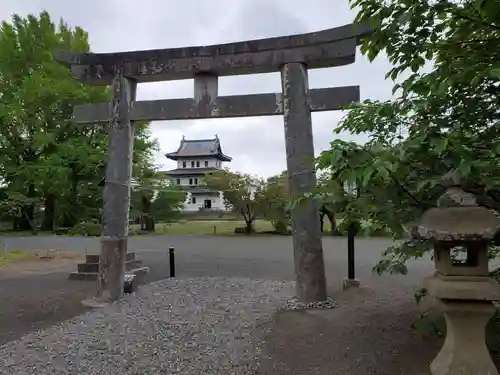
351 234
129 284
171 260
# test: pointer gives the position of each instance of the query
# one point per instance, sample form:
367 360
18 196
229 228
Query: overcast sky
256 144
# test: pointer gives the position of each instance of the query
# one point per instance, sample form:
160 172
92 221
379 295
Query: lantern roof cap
457 216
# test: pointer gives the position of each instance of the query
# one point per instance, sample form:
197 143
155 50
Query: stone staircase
89 270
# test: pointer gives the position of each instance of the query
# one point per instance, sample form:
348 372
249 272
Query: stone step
92 276
94 267
94 258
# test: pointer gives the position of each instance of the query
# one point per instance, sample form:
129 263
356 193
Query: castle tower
196 158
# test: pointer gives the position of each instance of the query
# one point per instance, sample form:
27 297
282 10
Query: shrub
86 228
93 229
243 230
280 227
62 231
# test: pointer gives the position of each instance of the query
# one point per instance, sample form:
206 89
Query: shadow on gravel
369 332
35 302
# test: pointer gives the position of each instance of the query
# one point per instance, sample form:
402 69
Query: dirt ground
370 332
42 262
36 294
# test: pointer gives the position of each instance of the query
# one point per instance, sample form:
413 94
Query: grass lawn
15 233
217 227
214 227
14 256
209 227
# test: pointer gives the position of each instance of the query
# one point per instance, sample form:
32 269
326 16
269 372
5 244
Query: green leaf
384 173
366 177
439 144
495 72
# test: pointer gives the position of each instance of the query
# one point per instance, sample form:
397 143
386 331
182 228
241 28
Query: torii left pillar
117 190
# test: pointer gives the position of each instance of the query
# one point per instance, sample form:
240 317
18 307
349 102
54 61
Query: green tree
154 198
328 206
167 204
45 158
239 192
35 111
444 115
273 200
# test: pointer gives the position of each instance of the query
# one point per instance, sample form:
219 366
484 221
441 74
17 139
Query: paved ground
370 331
264 256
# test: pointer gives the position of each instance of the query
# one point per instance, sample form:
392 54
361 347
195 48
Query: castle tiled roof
189 171
199 148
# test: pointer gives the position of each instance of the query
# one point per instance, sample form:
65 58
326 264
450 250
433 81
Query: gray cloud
256 144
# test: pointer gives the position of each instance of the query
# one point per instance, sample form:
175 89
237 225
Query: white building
195 158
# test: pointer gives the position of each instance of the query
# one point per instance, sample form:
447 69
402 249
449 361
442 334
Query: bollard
171 261
129 284
351 280
351 234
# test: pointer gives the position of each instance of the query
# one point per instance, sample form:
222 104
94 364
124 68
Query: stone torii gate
292 56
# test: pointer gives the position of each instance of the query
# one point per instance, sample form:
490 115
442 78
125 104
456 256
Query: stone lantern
461 231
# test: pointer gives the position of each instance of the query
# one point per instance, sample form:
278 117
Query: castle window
196 181
192 164
178 181
206 163
190 181
198 164
193 200
183 164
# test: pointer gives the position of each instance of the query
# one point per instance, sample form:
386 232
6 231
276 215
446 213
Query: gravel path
209 325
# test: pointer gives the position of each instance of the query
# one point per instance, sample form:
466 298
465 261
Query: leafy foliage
444 116
155 200
45 158
167 205
86 228
239 190
272 199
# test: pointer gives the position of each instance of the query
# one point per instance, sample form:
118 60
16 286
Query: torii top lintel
327 48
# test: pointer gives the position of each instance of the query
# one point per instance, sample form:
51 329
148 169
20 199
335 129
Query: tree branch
466 42
473 6
403 188
472 19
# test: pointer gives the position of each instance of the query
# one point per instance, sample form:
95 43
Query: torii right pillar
308 250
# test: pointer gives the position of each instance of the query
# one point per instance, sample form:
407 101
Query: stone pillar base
350 283
464 351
